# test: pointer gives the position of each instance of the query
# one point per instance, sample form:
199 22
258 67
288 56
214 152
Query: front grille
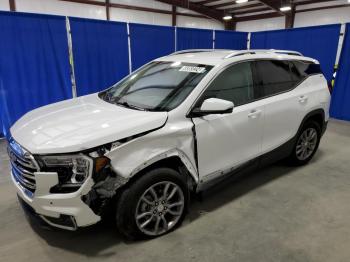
23 166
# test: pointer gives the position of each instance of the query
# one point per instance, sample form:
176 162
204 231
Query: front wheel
153 205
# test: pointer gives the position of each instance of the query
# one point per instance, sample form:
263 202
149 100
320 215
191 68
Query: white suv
175 126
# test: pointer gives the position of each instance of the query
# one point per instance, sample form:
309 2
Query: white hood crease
79 124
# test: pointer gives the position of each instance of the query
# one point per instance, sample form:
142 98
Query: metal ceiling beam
147 9
207 2
224 4
230 25
232 9
12 5
89 2
235 5
290 17
272 5
204 10
209 11
108 16
262 9
243 7
257 17
276 14
306 2
173 15
322 8
137 8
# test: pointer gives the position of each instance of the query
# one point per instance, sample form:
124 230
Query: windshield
158 86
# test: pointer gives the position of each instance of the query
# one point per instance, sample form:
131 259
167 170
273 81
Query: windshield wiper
126 104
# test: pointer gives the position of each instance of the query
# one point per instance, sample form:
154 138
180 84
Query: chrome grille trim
24 182
23 172
23 166
24 163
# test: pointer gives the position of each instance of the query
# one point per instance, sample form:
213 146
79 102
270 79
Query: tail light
330 87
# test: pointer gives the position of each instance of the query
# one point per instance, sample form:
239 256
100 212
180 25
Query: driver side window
234 84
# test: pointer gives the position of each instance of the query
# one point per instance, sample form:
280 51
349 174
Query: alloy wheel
159 208
306 144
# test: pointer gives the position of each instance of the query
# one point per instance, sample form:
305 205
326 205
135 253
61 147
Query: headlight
73 169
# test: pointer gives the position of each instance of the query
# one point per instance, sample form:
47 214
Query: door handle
254 113
302 99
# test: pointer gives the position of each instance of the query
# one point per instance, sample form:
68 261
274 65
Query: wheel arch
174 159
317 115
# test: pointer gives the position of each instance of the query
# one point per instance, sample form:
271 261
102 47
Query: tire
138 199
305 147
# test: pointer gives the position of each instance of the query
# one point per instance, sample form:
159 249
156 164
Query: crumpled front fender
172 140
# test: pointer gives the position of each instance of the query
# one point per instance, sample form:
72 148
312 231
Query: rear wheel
153 205
306 144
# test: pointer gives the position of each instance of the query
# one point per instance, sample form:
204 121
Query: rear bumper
66 211
324 127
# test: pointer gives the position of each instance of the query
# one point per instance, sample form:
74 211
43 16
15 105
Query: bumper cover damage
66 211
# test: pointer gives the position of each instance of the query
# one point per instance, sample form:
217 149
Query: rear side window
306 68
234 84
274 77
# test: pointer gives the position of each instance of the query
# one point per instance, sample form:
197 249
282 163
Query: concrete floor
276 214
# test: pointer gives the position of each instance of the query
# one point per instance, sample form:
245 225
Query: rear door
283 102
314 87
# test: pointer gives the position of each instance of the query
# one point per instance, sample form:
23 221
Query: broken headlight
72 170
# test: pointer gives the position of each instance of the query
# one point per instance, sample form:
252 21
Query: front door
229 140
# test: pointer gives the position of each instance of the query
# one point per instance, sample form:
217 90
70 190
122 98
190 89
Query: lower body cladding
66 211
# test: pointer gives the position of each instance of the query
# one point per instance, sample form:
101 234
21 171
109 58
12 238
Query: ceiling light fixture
227 17
243 1
285 6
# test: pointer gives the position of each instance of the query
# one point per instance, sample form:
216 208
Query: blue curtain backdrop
230 40
340 106
34 63
100 51
191 38
319 42
1 126
149 42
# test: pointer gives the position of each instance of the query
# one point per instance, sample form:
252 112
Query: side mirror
213 106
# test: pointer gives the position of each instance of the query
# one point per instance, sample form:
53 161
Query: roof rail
262 51
192 51
287 52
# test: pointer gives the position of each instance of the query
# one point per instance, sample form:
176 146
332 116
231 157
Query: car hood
79 124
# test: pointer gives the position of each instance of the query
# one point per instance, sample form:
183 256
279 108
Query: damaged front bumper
66 211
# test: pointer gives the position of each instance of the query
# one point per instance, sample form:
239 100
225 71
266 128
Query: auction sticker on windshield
193 69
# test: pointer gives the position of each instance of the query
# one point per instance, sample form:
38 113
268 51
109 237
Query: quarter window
306 68
235 84
297 76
